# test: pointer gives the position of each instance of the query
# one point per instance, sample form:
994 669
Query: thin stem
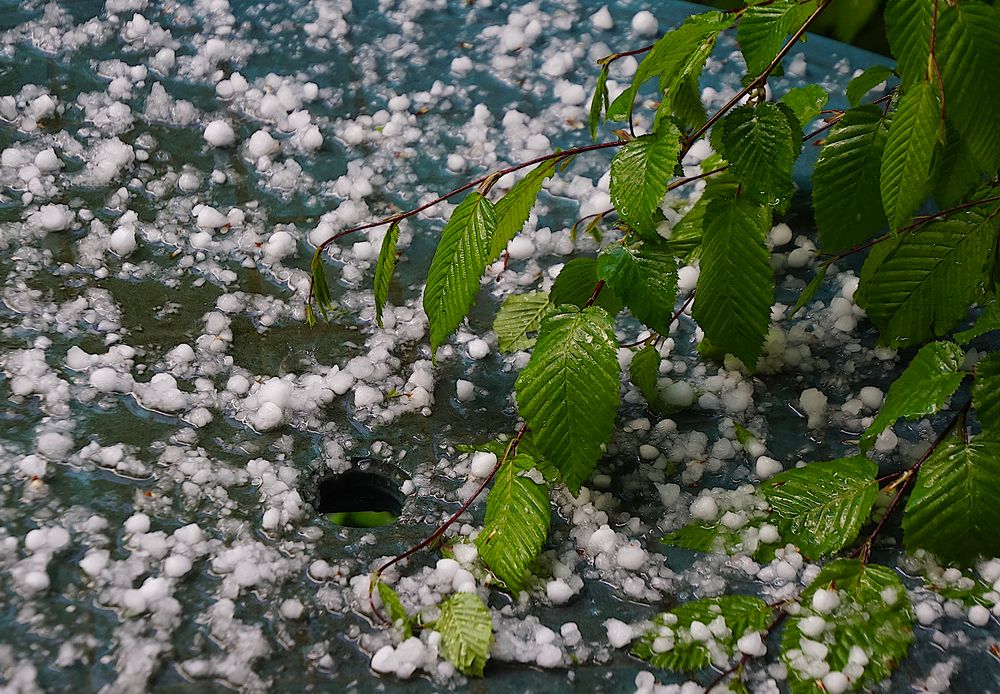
655 336
914 226
608 59
864 551
508 453
760 80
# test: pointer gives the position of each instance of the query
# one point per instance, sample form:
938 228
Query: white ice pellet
602 540
766 467
478 348
871 397
647 452
619 633
602 20
464 390
482 463
678 394
137 524
54 446
644 23
825 601
261 144
176 565
836 683
122 241
704 508
979 616
558 592
219 133
781 234
291 608
752 645
366 396
812 626
267 417
631 557
384 661
813 403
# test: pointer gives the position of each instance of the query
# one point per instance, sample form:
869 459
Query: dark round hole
359 499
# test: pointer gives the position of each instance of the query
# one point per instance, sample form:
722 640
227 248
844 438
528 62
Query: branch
760 80
508 453
739 665
864 551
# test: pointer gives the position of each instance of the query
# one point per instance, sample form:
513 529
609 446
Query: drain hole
359 500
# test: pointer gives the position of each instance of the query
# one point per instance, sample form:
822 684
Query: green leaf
514 208
920 285
697 537
575 285
679 54
873 615
645 372
923 388
517 523
640 174
987 322
821 507
986 394
466 629
384 268
908 28
645 277
858 87
397 613
810 290
686 235
687 105
760 144
519 315
954 508
957 172
736 285
459 261
568 393
763 29
321 290
806 102
909 151
670 646
600 102
968 52
846 194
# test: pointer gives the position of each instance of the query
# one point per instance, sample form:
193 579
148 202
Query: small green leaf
806 102
466 629
514 208
736 284
640 174
695 536
645 277
858 87
321 290
761 145
871 616
670 645
601 101
968 52
575 285
821 507
909 151
810 291
459 261
846 196
908 26
763 29
519 315
919 286
954 508
568 393
517 523
384 268
645 372
923 388
397 613
678 55
986 394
